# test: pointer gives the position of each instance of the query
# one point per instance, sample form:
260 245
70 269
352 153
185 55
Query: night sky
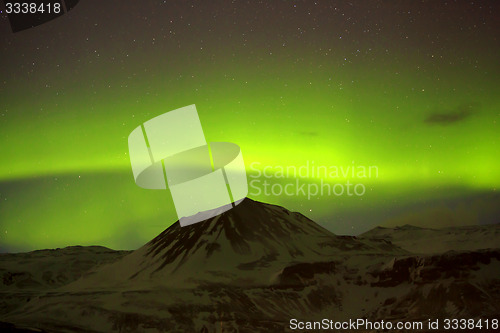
411 87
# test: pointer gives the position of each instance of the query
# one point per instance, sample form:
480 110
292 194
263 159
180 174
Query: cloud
449 117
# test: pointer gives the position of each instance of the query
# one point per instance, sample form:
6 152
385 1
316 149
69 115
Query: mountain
254 268
46 269
425 240
250 244
25 275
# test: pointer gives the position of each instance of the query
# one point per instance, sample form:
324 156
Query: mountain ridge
252 269
251 242
432 241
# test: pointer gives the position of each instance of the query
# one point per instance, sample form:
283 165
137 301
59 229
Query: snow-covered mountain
254 268
430 241
249 244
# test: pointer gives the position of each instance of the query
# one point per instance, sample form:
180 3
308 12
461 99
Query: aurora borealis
409 87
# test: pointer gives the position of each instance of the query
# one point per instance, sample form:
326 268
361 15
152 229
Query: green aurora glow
424 114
